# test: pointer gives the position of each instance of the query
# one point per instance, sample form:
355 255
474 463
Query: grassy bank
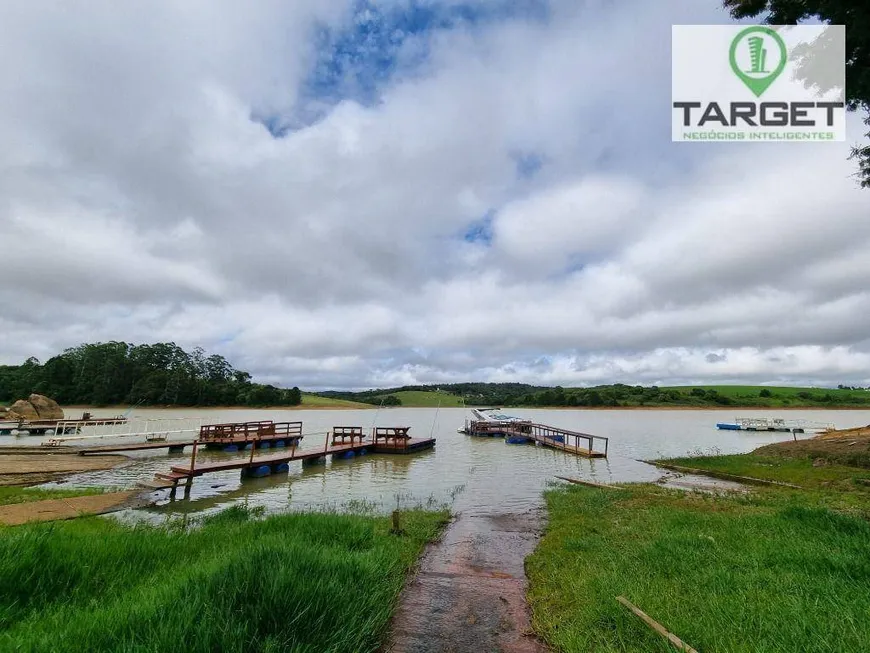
775 569
292 582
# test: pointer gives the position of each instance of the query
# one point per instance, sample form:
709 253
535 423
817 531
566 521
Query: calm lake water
472 474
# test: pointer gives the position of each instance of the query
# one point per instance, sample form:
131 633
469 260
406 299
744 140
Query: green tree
851 13
765 393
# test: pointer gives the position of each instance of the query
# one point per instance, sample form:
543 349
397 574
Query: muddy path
470 591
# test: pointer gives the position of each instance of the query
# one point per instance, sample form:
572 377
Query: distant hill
614 396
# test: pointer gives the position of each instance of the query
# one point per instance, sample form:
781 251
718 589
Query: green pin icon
757 75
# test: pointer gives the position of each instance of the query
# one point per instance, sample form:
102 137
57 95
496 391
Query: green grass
774 571
14 494
784 396
428 399
299 582
316 401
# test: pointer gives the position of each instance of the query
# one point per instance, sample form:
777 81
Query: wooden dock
226 437
389 440
573 442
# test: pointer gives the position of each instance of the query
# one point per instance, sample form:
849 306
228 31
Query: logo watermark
758 83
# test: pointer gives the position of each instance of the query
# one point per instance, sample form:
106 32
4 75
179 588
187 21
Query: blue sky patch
480 231
379 43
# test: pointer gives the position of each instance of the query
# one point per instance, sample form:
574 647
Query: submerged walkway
470 591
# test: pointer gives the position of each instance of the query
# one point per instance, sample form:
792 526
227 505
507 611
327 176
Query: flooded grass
774 570
14 494
230 582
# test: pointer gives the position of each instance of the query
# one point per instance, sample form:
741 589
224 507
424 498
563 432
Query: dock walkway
521 432
390 440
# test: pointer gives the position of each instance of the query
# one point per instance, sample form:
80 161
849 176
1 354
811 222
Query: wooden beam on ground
577 481
725 476
656 626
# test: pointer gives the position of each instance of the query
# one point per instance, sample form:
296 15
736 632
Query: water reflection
495 476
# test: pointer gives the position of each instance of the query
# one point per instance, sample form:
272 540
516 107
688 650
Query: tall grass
303 582
773 571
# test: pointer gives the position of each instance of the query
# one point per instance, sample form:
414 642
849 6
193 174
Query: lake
472 474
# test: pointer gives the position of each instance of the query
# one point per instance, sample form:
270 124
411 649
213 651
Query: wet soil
55 509
29 468
470 591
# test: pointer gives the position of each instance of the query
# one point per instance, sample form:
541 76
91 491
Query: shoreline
373 407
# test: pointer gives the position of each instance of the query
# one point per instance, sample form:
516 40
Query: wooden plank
577 481
725 476
656 626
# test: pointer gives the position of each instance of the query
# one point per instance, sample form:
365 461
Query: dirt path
469 594
29 468
54 509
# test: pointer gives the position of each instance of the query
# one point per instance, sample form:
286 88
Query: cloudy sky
337 193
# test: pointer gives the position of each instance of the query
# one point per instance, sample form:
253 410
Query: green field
296 582
783 395
316 401
428 399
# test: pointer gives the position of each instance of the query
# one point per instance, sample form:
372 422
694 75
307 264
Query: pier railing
246 431
579 441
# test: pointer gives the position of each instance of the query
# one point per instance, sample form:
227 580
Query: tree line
161 374
620 395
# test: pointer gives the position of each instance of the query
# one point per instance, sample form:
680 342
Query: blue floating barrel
265 444
362 452
279 443
343 455
307 462
280 468
248 445
516 439
262 470
230 448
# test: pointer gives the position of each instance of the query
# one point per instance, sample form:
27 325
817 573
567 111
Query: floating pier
774 424
390 439
242 435
232 437
57 426
526 432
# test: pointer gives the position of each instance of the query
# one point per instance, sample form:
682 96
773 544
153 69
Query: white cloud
140 201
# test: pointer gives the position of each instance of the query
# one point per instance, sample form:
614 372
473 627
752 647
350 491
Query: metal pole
193 455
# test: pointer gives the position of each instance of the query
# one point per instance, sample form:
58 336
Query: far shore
373 407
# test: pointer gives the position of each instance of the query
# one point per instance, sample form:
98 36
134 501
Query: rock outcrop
34 408
23 409
46 408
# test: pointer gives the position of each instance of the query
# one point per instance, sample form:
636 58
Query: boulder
23 409
2 411
46 408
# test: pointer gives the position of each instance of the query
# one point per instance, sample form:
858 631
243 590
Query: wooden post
253 446
193 455
326 444
656 626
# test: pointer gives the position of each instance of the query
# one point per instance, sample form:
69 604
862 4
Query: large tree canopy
855 15
121 373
